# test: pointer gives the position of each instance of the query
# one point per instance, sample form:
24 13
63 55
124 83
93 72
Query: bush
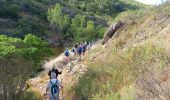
9 10
83 30
32 94
14 71
56 17
19 60
37 49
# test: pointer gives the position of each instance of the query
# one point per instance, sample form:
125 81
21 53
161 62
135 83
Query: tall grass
137 55
105 80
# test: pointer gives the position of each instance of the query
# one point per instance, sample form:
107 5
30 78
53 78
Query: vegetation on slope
137 61
19 17
22 53
81 20
19 60
103 7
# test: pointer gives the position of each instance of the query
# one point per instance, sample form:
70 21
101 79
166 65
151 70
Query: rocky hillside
133 64
130 63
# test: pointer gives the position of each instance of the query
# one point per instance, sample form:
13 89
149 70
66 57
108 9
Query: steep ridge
134 63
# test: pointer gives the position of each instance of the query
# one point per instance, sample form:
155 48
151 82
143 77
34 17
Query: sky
152 2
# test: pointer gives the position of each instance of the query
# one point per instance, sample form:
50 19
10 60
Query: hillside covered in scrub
129 61
134 63
22 17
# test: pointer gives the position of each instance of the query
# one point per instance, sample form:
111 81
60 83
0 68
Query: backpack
73 50
54 88
79 50
66 53
84 48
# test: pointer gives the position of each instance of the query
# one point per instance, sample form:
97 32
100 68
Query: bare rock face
111 31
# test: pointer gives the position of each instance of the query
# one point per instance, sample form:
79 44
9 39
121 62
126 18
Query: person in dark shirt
84 48
80 51
76 46
67 54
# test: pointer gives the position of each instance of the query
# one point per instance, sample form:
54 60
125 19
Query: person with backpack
53 86
80 51
66 53
84 48
76 46
74 53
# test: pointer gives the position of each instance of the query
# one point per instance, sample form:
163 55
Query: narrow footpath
70 73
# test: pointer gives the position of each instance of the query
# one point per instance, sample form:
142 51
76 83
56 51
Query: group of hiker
78 50
54 85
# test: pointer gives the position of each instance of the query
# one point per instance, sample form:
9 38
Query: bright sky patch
151 2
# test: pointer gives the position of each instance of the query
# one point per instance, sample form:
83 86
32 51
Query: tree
14 71
34 41
89 31
56 17
37 48
77 26
19 59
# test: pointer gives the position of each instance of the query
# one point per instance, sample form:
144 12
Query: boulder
111 31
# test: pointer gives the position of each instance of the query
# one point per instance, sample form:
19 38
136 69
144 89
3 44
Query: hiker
53 86
76 46
74 52
54 70
84 48
87 46
80 51
66 53
81 42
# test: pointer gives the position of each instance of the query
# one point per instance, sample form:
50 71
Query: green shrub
32 47
19 60
31 94
56 17
9 10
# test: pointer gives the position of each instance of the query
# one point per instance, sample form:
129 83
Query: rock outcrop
111 31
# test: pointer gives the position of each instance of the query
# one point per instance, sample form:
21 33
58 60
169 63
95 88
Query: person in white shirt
53 87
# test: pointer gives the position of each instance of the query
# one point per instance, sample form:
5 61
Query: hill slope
18 17
134 64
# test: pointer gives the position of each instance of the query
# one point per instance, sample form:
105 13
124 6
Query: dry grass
32 94
135 61
44 79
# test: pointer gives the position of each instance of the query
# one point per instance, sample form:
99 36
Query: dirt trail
70 72
39 82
